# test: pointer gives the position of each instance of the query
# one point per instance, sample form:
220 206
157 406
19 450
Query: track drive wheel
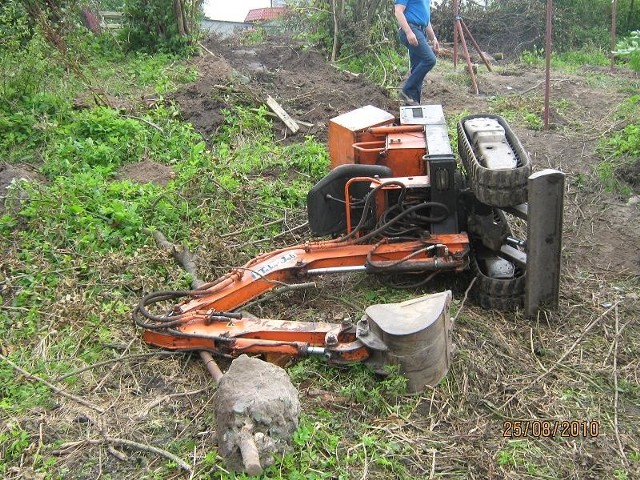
505 294
499 284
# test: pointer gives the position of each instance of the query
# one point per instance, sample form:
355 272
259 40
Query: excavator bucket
417 335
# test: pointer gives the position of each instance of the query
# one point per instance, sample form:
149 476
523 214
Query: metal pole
467 55
547 51
211 365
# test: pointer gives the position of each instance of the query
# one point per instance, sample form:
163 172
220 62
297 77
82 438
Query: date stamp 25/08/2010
550 428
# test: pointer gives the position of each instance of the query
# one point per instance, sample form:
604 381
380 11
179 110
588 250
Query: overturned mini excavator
395 202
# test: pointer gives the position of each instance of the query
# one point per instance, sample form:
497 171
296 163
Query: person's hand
412 39
436 45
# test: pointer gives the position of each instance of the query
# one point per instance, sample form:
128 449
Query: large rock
256 408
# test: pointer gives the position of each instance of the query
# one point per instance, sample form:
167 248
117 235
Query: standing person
414 18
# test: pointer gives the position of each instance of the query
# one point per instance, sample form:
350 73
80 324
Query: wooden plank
110 20
284 116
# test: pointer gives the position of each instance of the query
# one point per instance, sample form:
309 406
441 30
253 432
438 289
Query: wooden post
614 16
456 13
475 45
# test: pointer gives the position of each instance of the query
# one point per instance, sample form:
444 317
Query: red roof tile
262 14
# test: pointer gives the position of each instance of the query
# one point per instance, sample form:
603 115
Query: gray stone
259 398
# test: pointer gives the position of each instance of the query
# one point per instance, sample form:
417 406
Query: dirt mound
146 171
309 88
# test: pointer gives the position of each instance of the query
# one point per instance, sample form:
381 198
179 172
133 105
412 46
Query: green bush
629 49
153 26
16 29
627 141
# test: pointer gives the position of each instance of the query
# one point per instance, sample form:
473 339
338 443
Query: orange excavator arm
207 318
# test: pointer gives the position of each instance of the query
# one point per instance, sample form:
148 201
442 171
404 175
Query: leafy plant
162 25
15 398
516 108
626 141
606 172
629 48
532 57
253 36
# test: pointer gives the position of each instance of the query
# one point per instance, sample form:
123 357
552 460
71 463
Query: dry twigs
464 299
164 398
558 362
123 442
51 386
114 360
615 385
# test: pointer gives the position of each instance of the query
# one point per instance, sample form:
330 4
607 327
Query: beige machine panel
350 128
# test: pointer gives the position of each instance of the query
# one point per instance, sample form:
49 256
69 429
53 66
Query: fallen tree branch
558 80
275 237
250 229
464 299
164 398
51 386
144 120
123 442
181 255
113 360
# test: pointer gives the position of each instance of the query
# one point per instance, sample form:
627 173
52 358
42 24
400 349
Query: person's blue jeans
422 60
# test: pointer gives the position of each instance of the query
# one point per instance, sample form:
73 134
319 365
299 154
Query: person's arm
404 25
432 36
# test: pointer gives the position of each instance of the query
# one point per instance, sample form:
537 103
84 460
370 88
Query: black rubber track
497 294
496 188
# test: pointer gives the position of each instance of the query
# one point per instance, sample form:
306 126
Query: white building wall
235 11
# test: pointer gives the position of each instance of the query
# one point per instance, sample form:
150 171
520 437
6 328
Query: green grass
520 109
570 61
